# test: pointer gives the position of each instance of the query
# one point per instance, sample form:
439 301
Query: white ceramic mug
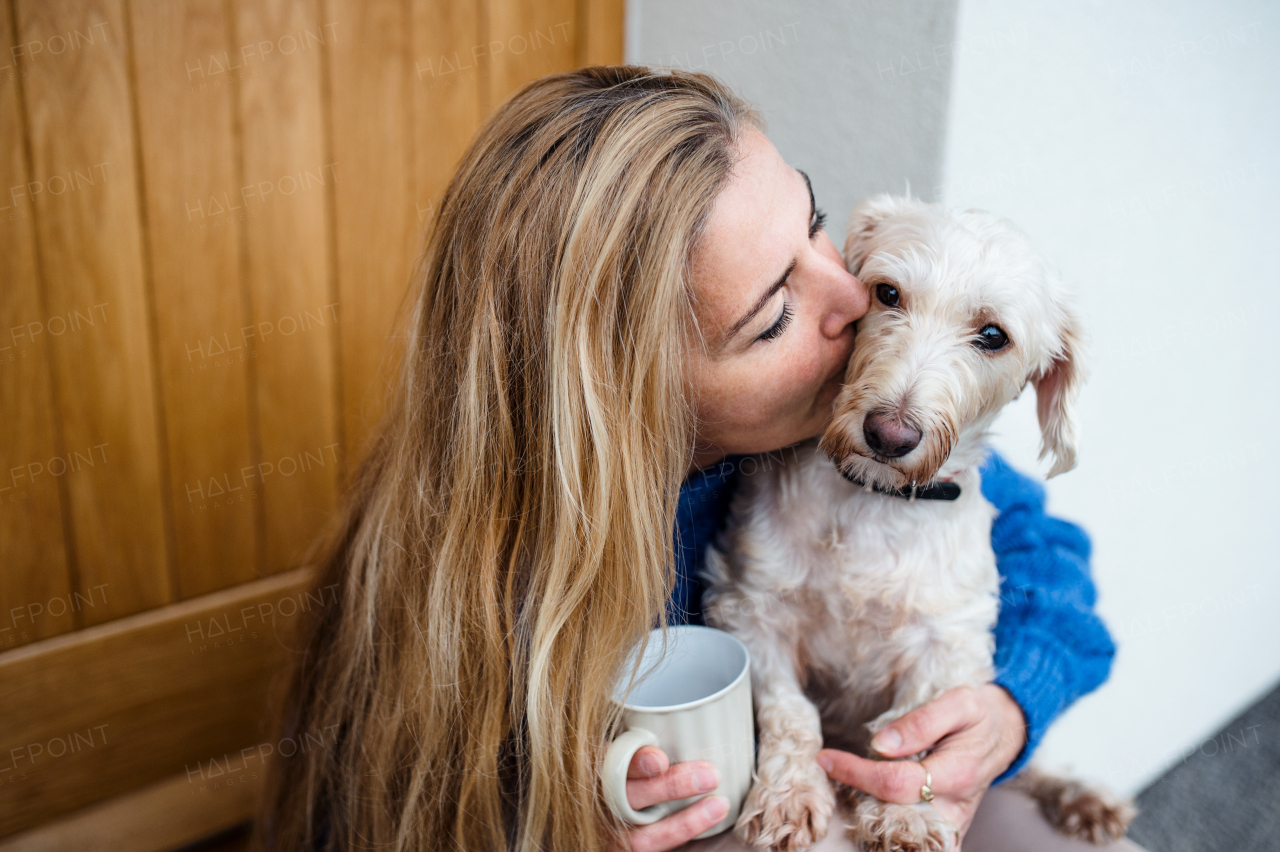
694 703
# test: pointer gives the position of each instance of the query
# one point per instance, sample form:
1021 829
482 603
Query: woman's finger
918 730
647 762
678 782
681 827
888 780
962 767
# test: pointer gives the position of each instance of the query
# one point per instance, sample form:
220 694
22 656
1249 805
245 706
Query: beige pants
1006 821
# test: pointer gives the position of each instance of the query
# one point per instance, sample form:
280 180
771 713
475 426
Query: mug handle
616 761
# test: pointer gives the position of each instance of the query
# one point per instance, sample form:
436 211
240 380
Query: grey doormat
1225 797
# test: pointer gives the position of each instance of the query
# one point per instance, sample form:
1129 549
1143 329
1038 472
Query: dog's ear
1057 385
866 217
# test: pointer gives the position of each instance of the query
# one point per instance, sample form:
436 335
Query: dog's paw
885 827
787 817
1076 809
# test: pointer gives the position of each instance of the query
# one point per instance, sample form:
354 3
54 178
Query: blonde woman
626 290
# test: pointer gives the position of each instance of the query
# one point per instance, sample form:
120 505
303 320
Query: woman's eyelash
819 219
781 325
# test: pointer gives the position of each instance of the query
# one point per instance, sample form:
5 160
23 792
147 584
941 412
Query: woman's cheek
807 372
763 392
787 391
778 388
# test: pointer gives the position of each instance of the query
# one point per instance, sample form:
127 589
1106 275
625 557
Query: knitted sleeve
1051 647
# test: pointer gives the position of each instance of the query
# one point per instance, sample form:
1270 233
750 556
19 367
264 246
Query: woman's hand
973 734
650 779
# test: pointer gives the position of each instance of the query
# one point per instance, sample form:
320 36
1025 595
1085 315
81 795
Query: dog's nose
888 436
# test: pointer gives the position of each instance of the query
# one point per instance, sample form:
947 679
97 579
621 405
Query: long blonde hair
508 538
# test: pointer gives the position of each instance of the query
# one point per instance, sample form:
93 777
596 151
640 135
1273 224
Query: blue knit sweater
1051 648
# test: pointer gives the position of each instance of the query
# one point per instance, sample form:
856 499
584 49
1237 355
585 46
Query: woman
594 323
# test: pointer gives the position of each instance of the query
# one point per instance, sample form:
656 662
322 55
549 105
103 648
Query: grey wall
854 93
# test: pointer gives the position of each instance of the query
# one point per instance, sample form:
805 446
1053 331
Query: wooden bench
149 732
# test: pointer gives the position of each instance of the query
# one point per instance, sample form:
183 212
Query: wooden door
209 214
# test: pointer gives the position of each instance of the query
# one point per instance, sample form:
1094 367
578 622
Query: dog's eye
887 294
991 338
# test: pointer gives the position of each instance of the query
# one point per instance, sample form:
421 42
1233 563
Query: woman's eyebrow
776 285
813 205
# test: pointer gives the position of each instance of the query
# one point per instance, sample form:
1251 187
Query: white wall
1136 142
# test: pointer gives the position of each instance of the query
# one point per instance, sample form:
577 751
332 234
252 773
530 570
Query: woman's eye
819 219
780 326
887 294
991 337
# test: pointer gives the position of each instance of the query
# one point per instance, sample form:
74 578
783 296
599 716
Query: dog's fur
857 606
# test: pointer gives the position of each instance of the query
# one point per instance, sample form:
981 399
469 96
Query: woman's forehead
751 231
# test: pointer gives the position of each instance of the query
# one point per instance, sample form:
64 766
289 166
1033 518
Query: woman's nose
849 302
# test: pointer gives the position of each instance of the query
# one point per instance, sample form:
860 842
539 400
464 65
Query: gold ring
926 795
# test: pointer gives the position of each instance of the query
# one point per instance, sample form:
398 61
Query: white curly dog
860 574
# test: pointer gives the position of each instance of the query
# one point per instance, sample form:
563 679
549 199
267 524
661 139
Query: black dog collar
931 491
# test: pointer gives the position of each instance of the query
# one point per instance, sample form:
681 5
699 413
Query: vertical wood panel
449 97
376 227
601 32
79 119
548 27
287 266
194 212
305 276
32 551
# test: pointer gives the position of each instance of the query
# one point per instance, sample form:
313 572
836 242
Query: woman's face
776 307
